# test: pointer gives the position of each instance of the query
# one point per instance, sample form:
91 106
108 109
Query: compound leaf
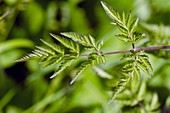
136 71
92 59
144 59
133 25
111 13
52 60
74 47
82 67
54 47
122 28
99 45
84 40
29 56
123 37
123 18
67 62
119 87
128 19
48 51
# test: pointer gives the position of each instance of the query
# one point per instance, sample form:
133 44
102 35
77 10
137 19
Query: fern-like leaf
123 37
48 51
84 40
144 64
128 19
36 54
52 60
137 36
82 67
29 56
111 13
133 25
119 87
93 58
67 62
123 18
74 47
136 61
125 24
99 45
54 47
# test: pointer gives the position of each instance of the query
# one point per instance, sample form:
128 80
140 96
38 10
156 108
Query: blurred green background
25 87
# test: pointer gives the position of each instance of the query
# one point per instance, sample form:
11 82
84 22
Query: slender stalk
135 49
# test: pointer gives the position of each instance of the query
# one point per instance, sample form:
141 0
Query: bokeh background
25 87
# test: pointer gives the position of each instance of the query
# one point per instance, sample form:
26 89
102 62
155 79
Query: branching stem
135 49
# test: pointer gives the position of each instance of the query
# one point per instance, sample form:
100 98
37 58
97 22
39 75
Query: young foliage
56 53
87 41
126 24
93 59
121 85
74 47
136 61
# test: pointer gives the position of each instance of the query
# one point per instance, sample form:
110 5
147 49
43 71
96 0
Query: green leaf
143 67
15 43
40 53
55 47
48 51
145 61
155 102
52 60
123 18
137 35
128 69
92 59
103 59
128 19
99 45
74 47
119 87
128 57
67 62
7 98
133 25
34 17
111 13
122 28
82 67
29 56
123 37
87 41
92 41
136 71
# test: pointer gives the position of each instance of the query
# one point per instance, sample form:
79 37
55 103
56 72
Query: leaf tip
55 74
53 35
51 76
110 101
72 82
101 2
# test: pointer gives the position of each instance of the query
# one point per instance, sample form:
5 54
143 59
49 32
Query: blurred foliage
25 87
